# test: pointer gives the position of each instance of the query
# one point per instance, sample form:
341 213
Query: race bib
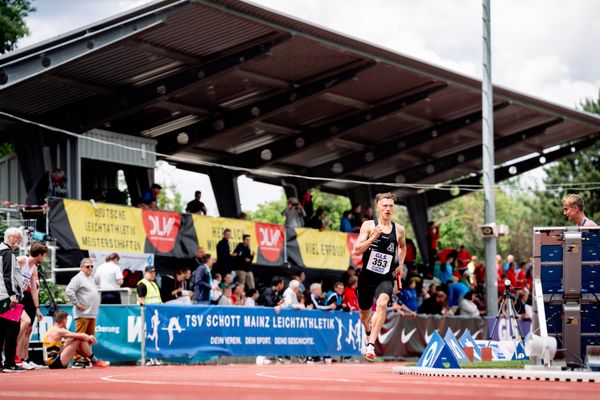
379 263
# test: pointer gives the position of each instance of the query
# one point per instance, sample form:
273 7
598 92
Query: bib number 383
379 263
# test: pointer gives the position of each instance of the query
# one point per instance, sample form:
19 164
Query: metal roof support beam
92 113
391 148
443 164
436 197
194 134
290 145
417 212
46 60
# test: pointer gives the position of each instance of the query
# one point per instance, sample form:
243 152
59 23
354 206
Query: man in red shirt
463 257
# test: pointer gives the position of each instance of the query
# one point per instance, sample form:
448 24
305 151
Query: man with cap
147 289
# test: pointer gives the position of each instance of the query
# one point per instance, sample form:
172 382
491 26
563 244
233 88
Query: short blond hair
381 196
573 200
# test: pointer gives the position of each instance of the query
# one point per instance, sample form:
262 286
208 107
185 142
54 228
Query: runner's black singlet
379 260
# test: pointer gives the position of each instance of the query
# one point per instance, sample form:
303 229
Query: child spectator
350 297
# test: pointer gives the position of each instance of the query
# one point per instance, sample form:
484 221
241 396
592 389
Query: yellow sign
106 227
325 249
209 231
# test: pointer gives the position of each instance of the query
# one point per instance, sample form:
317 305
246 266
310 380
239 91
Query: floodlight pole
487 133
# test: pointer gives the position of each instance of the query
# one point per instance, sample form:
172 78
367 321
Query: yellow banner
209 231
106 227
324 249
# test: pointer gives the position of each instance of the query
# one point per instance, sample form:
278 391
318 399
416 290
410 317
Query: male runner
383 247
59 352
573 209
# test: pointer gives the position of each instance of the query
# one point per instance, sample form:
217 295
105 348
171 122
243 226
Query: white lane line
307 378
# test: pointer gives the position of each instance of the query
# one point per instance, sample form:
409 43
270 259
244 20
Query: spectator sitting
237 297
216 290
456 292
346 223
227 281
335 297
271 297
251 297
172 289
350 297
408 295
434 305
290 297
521 307
316 298
294 214
467 307
149 199
225 299
109 278
196 206
316 221
203 282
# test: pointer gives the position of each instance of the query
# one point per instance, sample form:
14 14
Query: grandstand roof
230 82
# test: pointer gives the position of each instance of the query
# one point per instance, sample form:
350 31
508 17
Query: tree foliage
581 168
461 218
12 22
170 199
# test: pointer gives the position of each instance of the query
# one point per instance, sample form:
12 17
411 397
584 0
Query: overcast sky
543 48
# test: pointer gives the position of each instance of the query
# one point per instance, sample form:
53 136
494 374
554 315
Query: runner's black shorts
370 286
28 306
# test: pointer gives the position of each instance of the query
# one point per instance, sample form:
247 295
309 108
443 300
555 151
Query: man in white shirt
109 279
290 297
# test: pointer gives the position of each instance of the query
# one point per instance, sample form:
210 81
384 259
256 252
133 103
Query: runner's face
570 212
385 208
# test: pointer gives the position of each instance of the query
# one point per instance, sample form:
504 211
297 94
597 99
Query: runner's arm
364 238
401 235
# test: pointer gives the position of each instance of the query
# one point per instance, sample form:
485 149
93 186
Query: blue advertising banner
118 331
191 331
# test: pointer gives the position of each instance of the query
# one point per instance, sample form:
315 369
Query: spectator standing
357 218
294 214
109 278
203 282
316 221
464 257
10 295
224 257
433 235
511 274
447 271
411 253
369 215
346 223
30 301
271 297
150 197
509 259
82 292
147 289
196 206
243 257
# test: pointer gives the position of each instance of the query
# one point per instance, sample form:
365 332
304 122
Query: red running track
273 382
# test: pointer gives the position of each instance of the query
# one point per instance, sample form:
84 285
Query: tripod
511 314
52 307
